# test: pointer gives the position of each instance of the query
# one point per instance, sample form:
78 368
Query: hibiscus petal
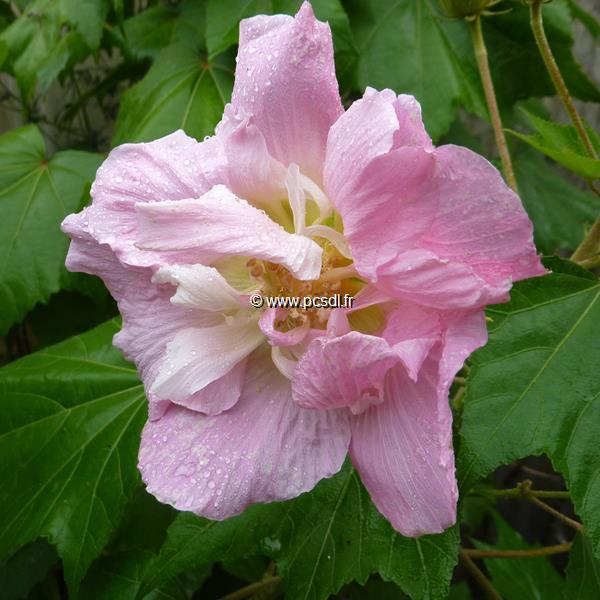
198 356
253 174
396 194
265 448
219 395
480 221
150 320
412 331
402 450
220 223
279 338
343 371
171 168
422 277
285 79
199 286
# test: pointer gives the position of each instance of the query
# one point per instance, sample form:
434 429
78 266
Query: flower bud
459 9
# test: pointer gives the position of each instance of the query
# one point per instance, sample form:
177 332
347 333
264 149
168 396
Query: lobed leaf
70 420
534 387
36 193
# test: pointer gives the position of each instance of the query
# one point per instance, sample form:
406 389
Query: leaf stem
517 492
490 96
590 246
537 25
555 513
253 588
528 553
484 583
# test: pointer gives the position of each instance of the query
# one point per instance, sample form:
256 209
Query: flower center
337 277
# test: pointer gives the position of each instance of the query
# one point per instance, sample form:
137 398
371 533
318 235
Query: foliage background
81 76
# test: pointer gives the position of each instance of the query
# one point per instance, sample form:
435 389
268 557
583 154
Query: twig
570 522
490 96
484 583
253 588
537 25
531 552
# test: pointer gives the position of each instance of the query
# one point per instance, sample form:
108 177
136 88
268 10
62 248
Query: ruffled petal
196 356
253 173
199 286
412 331
424 278
285 79
402 450
279 338
480 221
398 195
171 168
150 320
265 448
346 371
221 224
219 395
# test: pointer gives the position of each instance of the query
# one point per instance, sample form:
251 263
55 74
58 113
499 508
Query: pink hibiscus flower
294 196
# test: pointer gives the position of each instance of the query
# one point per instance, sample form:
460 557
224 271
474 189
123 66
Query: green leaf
403 46
36 194
182 89
336 535
536 577
148 32
561 212
583 572
534 388
587 19
321 541
27 567
70 420
562 144
50 34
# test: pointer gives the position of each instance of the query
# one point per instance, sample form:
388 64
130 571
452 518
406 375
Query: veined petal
279 338
219 395
263 449
285 79
150 320
199 286
253 174
220 223
480 221
346 371
170 168
402 450
196 357
424 278
412 331
398 195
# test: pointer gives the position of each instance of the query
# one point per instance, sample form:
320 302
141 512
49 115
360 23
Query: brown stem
490 96
537 25
253 588
484 583
532 552
590 245
555 513
518 493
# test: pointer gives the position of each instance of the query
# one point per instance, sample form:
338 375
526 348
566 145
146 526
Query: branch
490 96
253 588
484 583
531 552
